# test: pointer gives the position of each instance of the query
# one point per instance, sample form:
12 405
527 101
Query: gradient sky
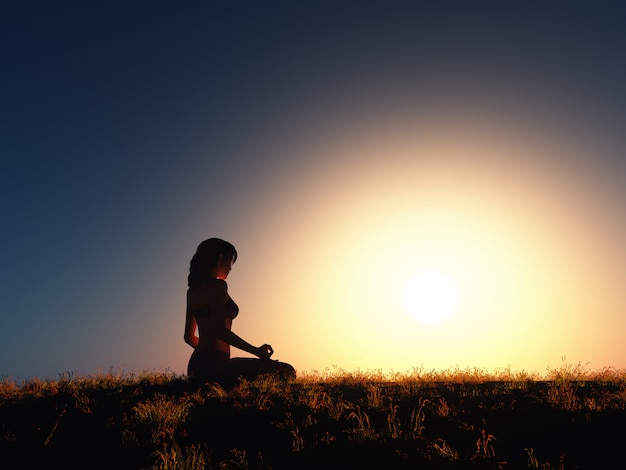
342 147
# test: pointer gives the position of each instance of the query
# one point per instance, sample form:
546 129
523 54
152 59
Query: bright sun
430 297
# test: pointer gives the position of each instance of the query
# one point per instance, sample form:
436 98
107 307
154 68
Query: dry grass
457 418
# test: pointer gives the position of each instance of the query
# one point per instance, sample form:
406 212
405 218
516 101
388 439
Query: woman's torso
205 302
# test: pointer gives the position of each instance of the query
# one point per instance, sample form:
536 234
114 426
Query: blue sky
131 131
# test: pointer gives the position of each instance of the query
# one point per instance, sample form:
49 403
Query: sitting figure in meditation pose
211 311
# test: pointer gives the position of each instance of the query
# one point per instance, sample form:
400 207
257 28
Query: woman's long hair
205 259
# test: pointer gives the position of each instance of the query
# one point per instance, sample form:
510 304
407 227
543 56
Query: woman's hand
265 351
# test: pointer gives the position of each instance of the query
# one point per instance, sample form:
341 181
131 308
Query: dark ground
329 426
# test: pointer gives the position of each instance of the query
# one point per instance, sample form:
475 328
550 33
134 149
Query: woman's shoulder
210 284
216 286
216 282
210 288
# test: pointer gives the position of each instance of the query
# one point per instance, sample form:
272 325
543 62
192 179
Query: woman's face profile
224 265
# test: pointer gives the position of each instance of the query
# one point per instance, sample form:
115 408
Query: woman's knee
291 372
250 369
286 371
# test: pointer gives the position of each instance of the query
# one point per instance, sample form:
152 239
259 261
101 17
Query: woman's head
208 255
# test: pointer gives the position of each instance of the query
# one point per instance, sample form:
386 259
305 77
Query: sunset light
430 297
481 199
345 149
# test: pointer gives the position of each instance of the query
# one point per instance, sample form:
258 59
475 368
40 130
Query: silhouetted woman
211 310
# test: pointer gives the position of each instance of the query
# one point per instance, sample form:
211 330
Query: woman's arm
190 329
223 333
218 306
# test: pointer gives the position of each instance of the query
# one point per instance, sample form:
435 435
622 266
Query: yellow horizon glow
322 277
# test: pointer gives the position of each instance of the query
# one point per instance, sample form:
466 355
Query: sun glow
430 297
462 207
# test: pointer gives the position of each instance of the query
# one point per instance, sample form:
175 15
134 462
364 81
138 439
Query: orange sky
502 206
343 148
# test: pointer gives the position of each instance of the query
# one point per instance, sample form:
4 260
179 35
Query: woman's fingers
267 351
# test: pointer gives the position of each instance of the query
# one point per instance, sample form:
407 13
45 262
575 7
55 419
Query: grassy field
570 418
